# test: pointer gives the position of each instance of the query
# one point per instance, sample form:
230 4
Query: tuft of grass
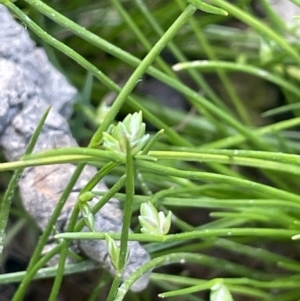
228 169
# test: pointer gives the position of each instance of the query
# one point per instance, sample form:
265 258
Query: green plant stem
282 109
208 284
282 283
141 37
65 155
31 272
236 182
229 159
128 207
276 234
142 183
45 161
229 66
63 256
48 272
269 156
276 22
190 290
209 51
98 177
113 288
254 252
126 222
152 141
59 272
209 202
238 139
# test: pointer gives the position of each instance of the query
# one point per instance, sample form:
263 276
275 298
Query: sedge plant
215 188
